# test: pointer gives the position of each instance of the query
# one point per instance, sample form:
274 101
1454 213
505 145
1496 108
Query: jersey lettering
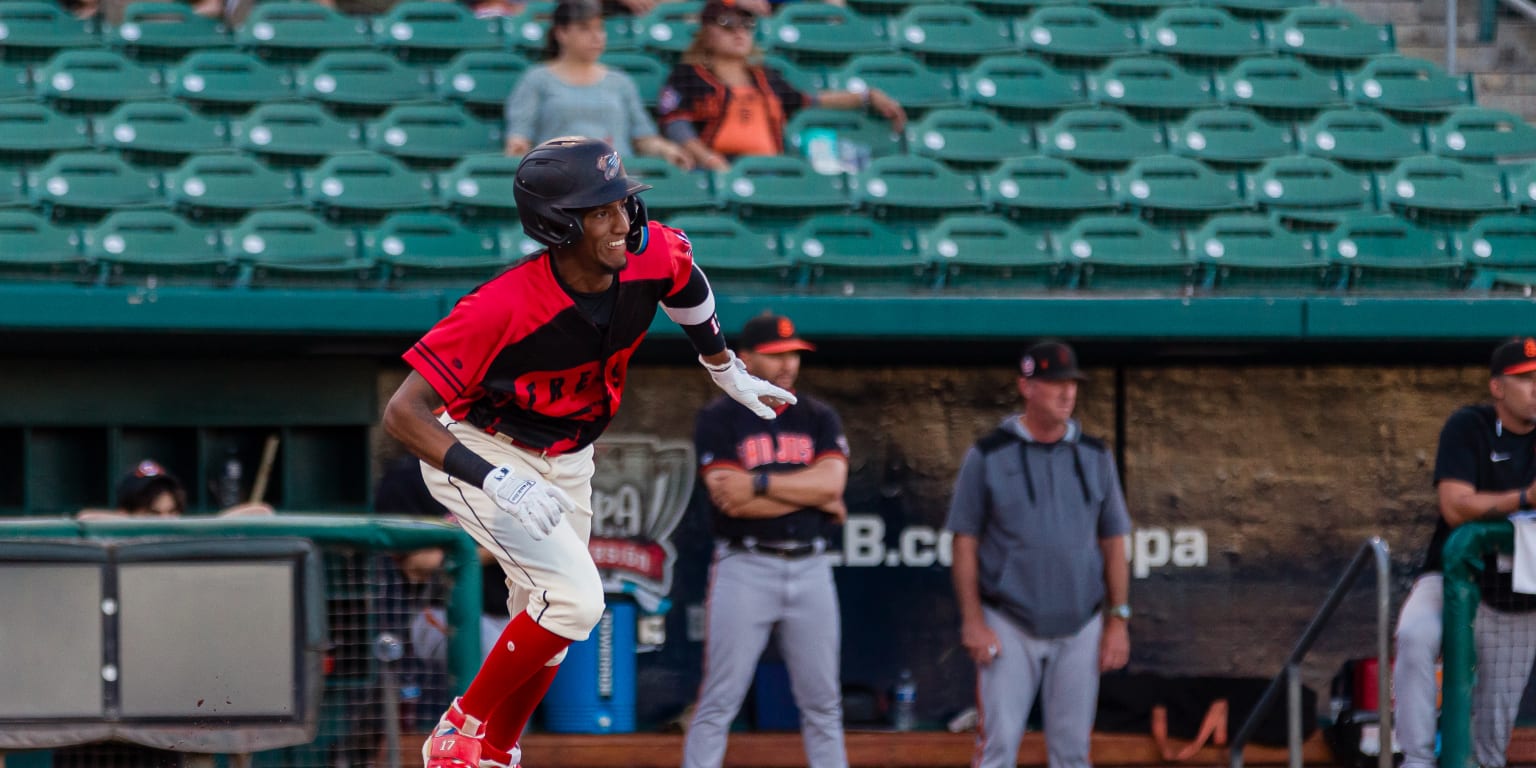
790 448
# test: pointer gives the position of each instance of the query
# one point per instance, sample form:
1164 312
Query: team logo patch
610 166
1530 347
1028 364
668 100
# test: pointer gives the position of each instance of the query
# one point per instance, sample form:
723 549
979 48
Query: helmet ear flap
639 217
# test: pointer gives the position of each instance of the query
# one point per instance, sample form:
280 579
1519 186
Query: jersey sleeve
455 354
968 504
680 97
791 97
1456 456
1114 518
713 442
830 440
690 302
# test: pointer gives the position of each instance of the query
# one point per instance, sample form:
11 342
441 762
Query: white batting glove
534 503
745 388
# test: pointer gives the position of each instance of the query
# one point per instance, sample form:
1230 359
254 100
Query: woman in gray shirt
572 94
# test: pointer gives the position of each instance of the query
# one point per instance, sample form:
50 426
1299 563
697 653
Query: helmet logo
609 165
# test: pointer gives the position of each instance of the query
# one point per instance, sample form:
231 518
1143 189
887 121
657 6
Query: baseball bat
263 472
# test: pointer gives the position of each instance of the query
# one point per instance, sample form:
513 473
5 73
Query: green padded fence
1464 557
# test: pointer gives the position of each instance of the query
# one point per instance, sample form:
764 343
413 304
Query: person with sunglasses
721 102
151 491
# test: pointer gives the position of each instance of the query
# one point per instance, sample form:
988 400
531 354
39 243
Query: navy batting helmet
560 178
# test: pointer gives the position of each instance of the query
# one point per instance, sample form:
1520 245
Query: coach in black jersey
777 491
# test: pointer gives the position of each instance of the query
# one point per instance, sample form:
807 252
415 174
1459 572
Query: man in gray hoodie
1040 570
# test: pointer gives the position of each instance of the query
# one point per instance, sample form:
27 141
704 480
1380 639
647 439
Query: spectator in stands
573 94
720 102
150 491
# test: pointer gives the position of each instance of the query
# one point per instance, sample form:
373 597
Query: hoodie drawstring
1077 466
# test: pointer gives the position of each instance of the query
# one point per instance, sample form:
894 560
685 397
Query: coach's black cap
772 334
138 489
1514 356
1050 361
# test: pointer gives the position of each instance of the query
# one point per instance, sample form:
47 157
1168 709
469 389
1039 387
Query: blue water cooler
594 691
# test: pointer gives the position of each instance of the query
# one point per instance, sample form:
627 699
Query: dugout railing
374 683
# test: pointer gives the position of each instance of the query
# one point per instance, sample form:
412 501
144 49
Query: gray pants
1505 645
1414 688
751 596
1068 670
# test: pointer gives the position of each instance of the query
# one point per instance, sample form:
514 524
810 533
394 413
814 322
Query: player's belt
789 550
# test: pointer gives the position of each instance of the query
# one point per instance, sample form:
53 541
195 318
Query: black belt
789 550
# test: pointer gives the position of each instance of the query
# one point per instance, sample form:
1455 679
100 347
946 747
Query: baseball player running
531 367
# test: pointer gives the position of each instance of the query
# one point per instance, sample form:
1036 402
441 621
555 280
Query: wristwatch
1122 612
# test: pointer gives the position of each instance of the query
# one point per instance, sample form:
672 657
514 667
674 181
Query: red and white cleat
456 742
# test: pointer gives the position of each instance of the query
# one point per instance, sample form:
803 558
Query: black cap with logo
1050 361
770 335
1514 356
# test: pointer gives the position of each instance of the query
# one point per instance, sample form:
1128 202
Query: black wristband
466 465
760 484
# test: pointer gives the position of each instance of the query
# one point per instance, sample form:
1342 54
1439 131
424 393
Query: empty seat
1021 87
1075 36
1202 37
300 31
1119 253
1409 88
228 82
673 190
1012 9
432 247
1439 190
525 31
158 247
427 32
1358 137
1387 253
946 35
1309 192
30 133
35 30
967 139
849 255
823 34
736 258
988 254
779 189
13 185
362 82
1501 251
1329 35
1042 191
480 188
1279 88
668 28
648 73
1248 251
15 82
94 81
806 78
840 140
909 189
480 80
917 88
1479 134
1150 86
1259 9
1522 187
84 186
296 249
294 134
1168 190
155 31
886 8
1100 138
223 187
34 248
431 135
159 133
1230 138
364 187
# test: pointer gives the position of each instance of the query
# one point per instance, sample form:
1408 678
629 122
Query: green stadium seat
13 188
1359 138
1229 139
736 259
649 74
480 80
432 136
1100 139
668 28
1246 251
988 254
428 32
910 189
968 139
1521 183
358 83
1407 88
161 134
1257 9
1437 190
34 31
300 31
296 249
84 186
1150 87
840 140
30 133
525 31
851 255
673 190
363 187
1279 88
805 78
1500 250
950 35
292 135
1309 192
479 188
917 88
418 248
1044 191
1119 253
1479 134
155 31
223 187
1387 253
623 33
1021 88
884 8
818 34
1176 190
778 190
1202 38
15 83
32 248
157 247
1131 10
228 82
1012 9
1329 36
95 81
1075 37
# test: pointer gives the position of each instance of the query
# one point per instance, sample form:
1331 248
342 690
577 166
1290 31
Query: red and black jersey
516 356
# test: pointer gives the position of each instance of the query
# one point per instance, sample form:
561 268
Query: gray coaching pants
1065 670
750 597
